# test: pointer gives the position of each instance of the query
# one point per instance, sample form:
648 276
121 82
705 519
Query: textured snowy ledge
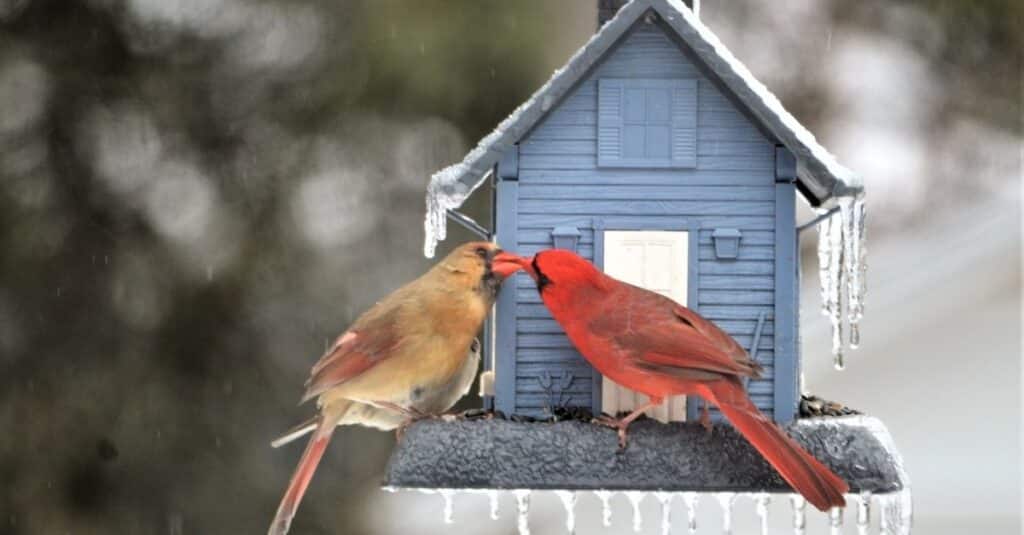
500 454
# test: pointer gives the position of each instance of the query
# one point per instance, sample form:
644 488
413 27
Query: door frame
693 227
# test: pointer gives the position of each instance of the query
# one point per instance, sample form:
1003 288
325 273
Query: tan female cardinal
651 344
408 356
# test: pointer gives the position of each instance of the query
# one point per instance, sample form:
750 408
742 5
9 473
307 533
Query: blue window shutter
647 123
684 123
609 122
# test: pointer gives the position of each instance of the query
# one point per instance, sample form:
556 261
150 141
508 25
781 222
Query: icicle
856 268
896 515
635 497
830 250
690 499
444 192
799 514
523 510
568 498
835 520
842 269
492 495
726 499
863 513
851 262
824 259
449 504
761 502
665 499
606 507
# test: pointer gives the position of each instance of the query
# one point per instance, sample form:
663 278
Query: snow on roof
821 176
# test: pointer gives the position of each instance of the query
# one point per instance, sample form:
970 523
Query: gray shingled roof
820 176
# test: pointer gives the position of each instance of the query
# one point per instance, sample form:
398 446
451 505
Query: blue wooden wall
559 183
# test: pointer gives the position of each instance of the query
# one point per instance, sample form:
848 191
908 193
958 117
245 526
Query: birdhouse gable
653 141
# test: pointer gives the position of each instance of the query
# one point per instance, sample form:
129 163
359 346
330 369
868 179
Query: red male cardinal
651 344
410 354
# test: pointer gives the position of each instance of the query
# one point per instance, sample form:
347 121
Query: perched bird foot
412 415
705 420
619 424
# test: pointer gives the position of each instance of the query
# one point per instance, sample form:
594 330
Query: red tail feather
303 474
804 473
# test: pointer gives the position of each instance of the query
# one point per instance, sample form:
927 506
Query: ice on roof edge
450 187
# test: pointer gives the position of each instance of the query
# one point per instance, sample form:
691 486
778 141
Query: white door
656 260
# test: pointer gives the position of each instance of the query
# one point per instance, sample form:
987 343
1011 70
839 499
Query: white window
658 261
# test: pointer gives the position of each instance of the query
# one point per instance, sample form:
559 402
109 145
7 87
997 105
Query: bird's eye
481 252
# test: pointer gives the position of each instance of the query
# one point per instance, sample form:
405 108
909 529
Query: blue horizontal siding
587 147
735 297
738 162
550 326
550 221
543 237
765 343
653 177
724 267
716 282
633 192
530 385
732 186
598 208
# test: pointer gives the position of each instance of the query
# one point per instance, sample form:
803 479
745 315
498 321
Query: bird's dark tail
808 476
325 425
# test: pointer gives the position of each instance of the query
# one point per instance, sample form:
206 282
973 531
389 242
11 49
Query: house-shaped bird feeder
655 154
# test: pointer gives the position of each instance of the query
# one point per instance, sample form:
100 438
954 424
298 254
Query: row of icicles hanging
841 269
894 509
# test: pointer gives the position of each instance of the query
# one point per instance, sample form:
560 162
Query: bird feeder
655 154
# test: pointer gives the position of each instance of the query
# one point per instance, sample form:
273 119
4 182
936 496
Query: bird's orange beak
505 264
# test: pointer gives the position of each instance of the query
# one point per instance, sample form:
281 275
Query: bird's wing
659 334
712 332
362 347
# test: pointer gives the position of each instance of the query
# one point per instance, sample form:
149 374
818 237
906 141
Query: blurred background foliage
196 195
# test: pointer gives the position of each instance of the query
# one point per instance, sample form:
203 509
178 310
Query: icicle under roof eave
842 268
448 190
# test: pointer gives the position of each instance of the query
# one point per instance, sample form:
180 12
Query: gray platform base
572 455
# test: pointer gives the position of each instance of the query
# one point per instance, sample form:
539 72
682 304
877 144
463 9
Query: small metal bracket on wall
756 340
470 225
817 220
